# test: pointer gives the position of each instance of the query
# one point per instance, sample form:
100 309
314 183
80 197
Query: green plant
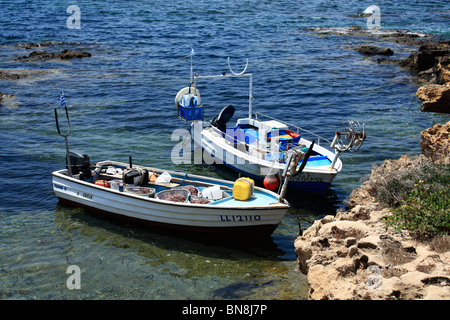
396 184
425 211
417 191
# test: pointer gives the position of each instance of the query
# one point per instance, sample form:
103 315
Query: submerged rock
374 50
4 75
7 100
66 54
403 37
21 74
5 96
31 45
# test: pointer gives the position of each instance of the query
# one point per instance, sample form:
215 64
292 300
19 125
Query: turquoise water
121 104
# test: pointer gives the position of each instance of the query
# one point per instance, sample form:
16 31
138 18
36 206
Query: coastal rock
432 65
435 98
66 54
443 69
435 143
431 58
374 50
426 57
44 55
370 262
354 256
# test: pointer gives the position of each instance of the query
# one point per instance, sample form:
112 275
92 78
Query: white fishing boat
258 145
170 199
260 214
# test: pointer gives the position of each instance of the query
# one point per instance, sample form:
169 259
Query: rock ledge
353 256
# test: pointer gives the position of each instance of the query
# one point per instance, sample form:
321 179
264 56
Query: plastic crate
190 113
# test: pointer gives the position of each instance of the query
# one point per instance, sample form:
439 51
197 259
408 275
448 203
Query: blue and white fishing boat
258 145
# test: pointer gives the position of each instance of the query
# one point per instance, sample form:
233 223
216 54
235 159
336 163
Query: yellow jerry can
243 189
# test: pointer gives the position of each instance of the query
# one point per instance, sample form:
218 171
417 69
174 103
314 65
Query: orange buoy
271 182
102 183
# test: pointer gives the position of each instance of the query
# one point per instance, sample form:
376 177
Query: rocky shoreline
354 256
432 65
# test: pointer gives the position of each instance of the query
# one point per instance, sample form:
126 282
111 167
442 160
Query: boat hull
222 216
259 230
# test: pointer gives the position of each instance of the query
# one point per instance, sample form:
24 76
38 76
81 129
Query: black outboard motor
220 121
80 163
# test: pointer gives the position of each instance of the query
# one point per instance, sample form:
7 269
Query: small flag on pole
61 99
192 51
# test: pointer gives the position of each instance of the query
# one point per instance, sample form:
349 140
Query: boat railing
318 137
262 152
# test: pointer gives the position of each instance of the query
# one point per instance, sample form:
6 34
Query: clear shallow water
121 104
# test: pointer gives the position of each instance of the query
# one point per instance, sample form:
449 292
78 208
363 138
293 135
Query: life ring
184 92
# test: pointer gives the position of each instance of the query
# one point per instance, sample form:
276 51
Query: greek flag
192 51
61 99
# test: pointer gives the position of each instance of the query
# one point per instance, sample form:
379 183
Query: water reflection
218 268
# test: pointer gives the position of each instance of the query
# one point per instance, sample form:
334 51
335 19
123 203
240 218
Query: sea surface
121 104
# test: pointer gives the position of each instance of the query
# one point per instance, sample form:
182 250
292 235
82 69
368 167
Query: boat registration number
85 195
238 218
306 177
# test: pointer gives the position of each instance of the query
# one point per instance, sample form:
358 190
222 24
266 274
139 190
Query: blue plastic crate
190 113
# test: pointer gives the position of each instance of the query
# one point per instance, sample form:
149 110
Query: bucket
213 192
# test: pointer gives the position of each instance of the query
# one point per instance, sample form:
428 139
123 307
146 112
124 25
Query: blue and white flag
192 51
61 99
